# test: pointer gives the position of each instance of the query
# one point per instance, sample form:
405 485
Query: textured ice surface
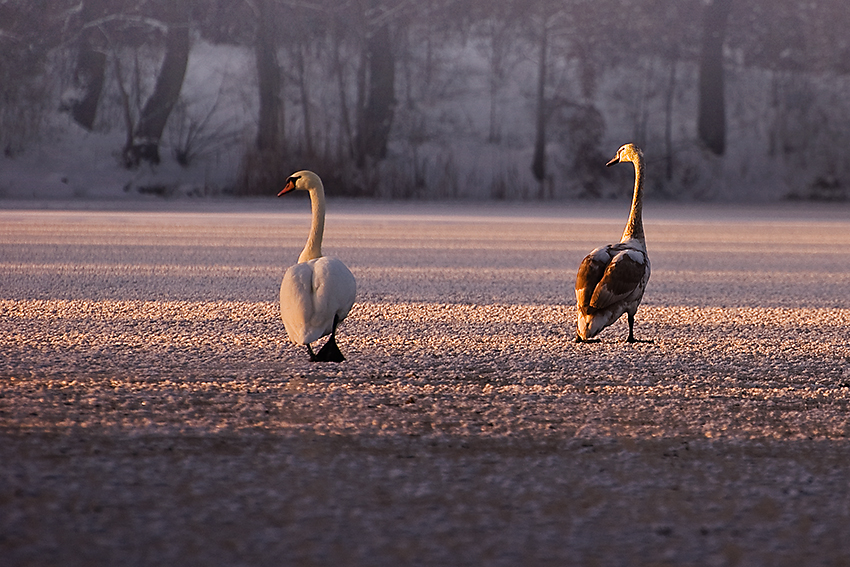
150 401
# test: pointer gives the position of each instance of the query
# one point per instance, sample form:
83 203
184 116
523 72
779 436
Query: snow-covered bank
439 146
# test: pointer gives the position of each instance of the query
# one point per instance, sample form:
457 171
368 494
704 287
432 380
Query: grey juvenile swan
611 279
318 292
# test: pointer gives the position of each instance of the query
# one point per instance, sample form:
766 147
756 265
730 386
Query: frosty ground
152 412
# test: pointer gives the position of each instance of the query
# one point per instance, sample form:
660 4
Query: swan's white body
318 292
312 294
611 279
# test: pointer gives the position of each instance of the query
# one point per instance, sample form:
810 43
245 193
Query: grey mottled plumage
611 279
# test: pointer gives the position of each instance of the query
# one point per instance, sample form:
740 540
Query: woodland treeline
348 86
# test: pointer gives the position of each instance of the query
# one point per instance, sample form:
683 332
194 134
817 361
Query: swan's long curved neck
634 226
313 248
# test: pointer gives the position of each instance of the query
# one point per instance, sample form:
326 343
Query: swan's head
303 180
628 152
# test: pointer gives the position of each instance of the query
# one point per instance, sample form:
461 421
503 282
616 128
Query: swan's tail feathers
330 351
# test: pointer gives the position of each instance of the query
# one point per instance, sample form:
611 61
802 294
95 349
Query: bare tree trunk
346 134
376 118
157 109
669 97
538 164
305 100
711 119
498 51
269 81
90 68
262 170
125 103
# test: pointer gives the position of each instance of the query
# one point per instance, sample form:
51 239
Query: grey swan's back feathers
611 279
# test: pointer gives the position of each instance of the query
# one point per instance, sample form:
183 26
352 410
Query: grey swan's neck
634 226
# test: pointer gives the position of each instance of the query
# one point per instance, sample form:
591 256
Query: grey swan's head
627 152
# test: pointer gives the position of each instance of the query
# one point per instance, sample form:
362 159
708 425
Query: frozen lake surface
152 411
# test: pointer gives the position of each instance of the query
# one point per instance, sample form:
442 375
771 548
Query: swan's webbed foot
329 352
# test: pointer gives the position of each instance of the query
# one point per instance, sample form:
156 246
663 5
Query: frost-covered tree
90 66
144 144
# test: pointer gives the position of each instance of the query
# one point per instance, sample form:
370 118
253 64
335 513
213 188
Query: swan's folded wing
590 272
296 302
621 278
334 291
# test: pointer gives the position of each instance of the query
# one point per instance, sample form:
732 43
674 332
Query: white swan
318 292
611 279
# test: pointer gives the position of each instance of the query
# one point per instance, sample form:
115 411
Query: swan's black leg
312 354
330 352
631 338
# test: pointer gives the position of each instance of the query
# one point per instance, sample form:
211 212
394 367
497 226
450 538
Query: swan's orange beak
290 185
615 159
